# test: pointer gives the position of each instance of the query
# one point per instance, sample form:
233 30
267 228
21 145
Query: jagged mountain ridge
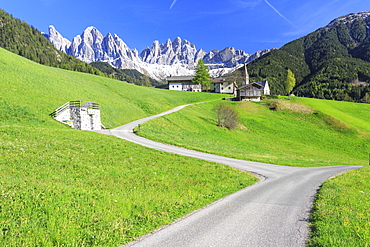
177 57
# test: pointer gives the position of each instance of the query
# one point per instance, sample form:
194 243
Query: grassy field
63 187
296 135
341 213
42 89
301 132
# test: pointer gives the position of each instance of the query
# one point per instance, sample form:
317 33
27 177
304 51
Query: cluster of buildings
250 91
84 115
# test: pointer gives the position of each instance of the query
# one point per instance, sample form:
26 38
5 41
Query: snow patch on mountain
177 57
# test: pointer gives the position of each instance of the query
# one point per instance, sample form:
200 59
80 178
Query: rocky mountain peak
177 57
57 39
350 18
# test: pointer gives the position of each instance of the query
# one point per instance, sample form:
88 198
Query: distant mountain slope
177 57
330 63
20 38
129 75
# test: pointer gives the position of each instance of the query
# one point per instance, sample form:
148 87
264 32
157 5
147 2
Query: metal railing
75 104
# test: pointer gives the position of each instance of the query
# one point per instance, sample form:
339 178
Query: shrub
227 116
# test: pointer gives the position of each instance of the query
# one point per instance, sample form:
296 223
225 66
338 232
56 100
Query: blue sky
249 25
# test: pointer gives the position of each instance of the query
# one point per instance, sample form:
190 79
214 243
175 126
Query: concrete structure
183 83
81 115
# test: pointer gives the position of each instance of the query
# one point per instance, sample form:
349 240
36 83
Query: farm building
81 115
183 83
253 91
223 86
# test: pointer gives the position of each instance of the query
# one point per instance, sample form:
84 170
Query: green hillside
43 89
330 63
63 187
303 132
20 38
299 132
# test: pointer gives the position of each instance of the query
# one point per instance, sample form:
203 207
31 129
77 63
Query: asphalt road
273 212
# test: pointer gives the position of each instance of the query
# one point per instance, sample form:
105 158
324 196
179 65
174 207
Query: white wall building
183 83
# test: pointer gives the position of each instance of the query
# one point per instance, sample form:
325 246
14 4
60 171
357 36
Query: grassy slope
355 115
60 186
342 208
278 137
43 89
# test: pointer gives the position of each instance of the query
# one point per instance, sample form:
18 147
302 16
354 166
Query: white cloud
173 3
277 12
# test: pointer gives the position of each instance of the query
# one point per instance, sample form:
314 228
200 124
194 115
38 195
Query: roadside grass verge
341 213
296 135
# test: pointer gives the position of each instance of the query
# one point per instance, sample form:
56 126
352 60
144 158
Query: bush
227 116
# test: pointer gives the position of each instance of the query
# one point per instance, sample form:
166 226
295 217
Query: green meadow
63 187
294 132
294 135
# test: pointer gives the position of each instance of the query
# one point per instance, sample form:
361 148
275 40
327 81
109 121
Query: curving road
273 212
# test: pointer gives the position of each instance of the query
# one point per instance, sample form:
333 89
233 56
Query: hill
20 38
61 186
44 89
297 132
330 63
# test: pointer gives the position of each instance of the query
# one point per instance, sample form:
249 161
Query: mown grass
63 187
300 132
341 213
301 137
43 89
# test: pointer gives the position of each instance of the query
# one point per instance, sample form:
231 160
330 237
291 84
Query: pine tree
202 76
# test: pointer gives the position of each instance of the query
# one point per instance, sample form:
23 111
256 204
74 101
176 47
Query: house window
229 88
222 88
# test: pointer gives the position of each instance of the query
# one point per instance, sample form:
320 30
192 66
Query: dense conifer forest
330 63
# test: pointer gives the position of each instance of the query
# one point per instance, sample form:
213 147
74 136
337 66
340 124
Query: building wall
65 117
175 86
81 118
223 87
184 86
227 87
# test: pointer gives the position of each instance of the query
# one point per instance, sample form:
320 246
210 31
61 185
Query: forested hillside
20 38
129 75
330 63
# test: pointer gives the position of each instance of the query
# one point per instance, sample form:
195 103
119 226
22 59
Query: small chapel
252 91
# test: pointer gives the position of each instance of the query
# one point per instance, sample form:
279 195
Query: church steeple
246 82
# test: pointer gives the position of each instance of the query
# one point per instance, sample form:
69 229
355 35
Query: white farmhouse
223 86
183 83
